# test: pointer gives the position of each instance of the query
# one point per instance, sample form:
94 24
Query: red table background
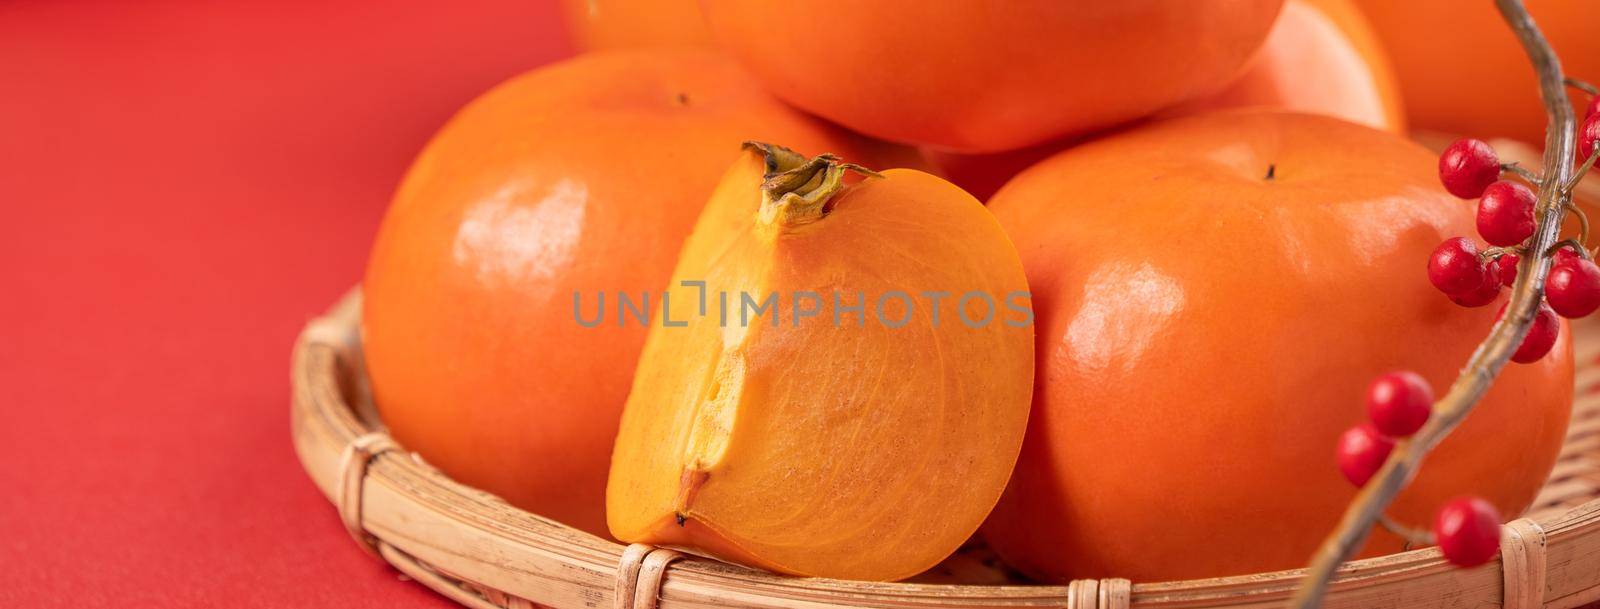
183 185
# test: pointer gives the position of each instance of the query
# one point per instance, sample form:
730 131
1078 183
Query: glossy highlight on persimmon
579 177
1194 376
868 445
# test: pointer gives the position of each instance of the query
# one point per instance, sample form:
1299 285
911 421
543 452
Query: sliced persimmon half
838 379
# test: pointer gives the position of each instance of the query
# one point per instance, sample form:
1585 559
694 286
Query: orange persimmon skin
985 77
1206 333
984 174
1462 71
598 25
1320 58
577 178
823 446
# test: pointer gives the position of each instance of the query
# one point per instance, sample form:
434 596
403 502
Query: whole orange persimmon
576 181
1462 71
1321 58
629 24
1214 294
985 76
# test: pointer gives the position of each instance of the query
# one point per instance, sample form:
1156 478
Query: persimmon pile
694 288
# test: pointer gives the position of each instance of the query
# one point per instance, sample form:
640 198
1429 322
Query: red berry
1505 213
1541 335
1454 267
1506 267
1468 531
1484 294
1563 256
1467 167
1398 403
1573 287
1588 136
1362 450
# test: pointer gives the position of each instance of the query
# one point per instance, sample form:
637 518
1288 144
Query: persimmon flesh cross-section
816 438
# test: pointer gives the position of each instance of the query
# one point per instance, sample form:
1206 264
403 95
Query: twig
1494 253
1588 164
1504 337
1412 535
1519 171
1583 224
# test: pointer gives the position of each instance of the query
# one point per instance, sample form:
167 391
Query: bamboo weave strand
628 574
353 472
1522 559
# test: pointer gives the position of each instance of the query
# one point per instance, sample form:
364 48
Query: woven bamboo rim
479 551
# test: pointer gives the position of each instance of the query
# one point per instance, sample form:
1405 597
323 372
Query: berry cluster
1398 404
1473 277
1516 225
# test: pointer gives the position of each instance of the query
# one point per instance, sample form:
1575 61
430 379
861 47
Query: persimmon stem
797 190
1504 337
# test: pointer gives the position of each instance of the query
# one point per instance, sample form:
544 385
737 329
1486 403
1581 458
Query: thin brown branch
1577 176
1583 224
1504 338
1412 535
1494 253
1521 172
1574 244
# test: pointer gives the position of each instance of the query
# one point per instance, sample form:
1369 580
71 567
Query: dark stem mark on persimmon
683 99
681 519
1272 172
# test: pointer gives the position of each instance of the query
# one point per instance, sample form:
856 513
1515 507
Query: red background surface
183 185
